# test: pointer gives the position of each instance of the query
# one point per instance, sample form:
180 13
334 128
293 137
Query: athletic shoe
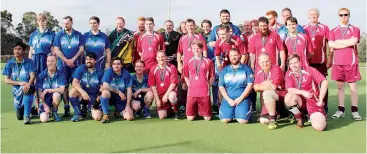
147 115
105 119
34 112
215 109
182 109
177 116
56 117
76 118
300 123
272 125
66 111
338 114
27 120
291 118
84 110
356 116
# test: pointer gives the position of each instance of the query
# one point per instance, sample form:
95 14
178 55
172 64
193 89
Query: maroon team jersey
275 27
199 71
184 46
310 80
318 34
149 45
222 48
162 77
275 74
300 45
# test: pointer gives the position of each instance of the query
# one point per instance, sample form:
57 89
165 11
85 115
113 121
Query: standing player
199 76
142 94
254 27
171 40
247 32
206 25
283 31
20 73
86 85
122 42
116 91
235 85
343 39
272 16
149 43
297 43
137 33
302 84
269 81
98 43
50 84
265 41
163 79
183 30
69 46
319 34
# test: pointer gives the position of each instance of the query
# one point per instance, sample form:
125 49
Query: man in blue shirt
50 84
86 85
235 84
283 31
116 91
68 45
20 72
142 94
98 43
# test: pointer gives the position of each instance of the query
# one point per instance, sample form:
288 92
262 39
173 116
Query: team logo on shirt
299 42
251 76
271 41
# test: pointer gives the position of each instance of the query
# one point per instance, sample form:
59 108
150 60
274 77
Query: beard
235 62
264 33
90 65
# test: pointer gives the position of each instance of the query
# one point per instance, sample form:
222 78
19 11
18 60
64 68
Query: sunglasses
343 15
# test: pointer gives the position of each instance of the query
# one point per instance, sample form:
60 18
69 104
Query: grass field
154 135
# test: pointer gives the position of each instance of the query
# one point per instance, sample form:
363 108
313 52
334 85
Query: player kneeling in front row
142 94
20 73
163 79
235 85
86 84
116 91
199 75
303 93
51 84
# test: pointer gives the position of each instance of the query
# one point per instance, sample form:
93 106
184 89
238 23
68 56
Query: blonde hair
344 9
41 16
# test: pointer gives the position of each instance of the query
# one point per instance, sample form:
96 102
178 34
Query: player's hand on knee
159 103
85 96
165 98
46 108
306 94
122 96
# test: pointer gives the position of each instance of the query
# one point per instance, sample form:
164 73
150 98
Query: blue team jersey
19 72
213 35
138 85
93 80
283 31
96 43
69 44
120 82
210 48
41 42
44 81
235 82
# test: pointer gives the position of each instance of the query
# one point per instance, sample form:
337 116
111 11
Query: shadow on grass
184 143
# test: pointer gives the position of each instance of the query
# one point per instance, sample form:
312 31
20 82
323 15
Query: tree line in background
21 32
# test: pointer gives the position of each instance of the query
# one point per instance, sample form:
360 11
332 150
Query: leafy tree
7 37
241 27
160 30
362 49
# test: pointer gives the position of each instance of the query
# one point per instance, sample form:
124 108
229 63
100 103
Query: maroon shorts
321 68
310 106
345 73
280 103
198 104
165 106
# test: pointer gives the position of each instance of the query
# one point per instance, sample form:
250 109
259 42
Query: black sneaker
177 116
27 120
215 109
105 119
84 110
66 112
34 111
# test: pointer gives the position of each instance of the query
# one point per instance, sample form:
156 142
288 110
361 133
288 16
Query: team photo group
219 71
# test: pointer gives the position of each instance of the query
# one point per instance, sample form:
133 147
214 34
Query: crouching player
269 81
235 84
20 73
163 79
303 93
86 85
51 84
142 94
116 91
199 75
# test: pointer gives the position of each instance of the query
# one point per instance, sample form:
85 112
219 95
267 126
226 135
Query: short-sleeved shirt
19 71
122 44
93 80
235 82
348 55
136 55
69 44
120 82
272 43
41 42
210 48
233 28
275 27
283 31
222 48
199 72
96 43
149 45
136 84
169 74
44 81
275 74
245 40
184 46
319 35
303 47
311 79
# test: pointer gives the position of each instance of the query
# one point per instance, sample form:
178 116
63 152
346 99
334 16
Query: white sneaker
356 116
338 114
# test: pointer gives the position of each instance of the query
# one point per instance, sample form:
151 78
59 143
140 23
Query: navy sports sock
76 104
105 104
